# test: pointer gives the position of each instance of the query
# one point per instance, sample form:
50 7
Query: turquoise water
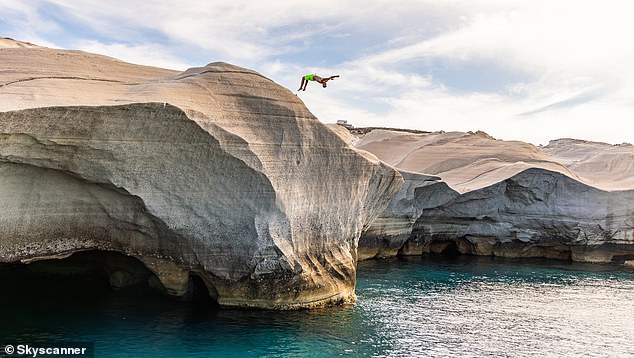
459 306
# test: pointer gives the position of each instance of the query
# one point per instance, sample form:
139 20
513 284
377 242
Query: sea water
416 307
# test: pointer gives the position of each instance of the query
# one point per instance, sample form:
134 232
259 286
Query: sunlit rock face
569 200
605 166
216 172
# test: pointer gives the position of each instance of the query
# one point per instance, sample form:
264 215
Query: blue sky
526 70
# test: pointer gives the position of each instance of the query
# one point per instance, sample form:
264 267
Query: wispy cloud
572 57
530 70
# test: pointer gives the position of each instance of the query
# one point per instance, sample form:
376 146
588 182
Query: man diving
314 77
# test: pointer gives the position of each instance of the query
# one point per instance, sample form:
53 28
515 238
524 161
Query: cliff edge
216 172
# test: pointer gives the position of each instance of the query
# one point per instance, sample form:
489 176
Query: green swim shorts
310 77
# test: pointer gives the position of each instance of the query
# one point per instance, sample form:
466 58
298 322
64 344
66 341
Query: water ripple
429 307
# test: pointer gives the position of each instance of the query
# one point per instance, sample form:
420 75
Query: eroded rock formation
216 171
536 213
389 232
570 200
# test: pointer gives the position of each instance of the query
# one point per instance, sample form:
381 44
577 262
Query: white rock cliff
216 172
570 200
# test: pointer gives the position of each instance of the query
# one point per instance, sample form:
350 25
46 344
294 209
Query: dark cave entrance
620 259
445 248
90 276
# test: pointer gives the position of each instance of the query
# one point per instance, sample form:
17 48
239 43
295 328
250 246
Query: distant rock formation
216 172
605 166
569 200
536 213
465 161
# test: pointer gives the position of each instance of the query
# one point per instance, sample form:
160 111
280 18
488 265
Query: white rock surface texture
216 172
572 199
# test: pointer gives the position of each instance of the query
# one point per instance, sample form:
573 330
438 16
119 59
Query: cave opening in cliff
199 292
446 248
621 259
88 278
92 270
